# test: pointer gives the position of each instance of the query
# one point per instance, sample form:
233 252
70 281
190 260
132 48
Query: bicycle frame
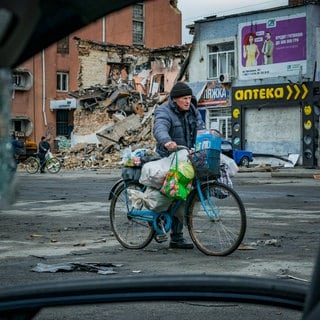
135 224
162 221
212 213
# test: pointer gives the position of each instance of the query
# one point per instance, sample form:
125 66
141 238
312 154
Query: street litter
269 242
246 247
287 276
100 268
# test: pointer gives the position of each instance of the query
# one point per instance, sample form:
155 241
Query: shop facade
274 95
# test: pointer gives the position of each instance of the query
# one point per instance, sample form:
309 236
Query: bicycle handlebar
181 147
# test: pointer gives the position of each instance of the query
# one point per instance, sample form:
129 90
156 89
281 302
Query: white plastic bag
232 167
48 155
152 199
153 173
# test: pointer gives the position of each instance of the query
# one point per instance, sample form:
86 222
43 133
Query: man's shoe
181 244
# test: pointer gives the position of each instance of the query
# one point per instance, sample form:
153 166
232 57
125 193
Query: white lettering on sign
215 94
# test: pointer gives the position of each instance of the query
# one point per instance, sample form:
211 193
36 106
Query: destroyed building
119 86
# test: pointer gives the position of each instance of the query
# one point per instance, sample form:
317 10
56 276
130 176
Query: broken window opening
22 79
118 73
63 46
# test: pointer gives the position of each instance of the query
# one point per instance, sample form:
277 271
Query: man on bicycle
44 147
176 123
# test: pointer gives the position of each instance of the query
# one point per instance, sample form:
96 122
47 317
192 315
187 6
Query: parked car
241 157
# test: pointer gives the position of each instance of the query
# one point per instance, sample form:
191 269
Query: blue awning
197 88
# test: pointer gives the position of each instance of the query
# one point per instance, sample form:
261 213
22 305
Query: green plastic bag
178 181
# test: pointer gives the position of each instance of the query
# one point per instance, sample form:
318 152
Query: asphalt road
63 219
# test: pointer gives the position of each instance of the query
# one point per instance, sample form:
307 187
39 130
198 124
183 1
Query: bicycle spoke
217 226
131 232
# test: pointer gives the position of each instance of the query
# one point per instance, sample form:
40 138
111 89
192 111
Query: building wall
162 25
153 72
116 28
279 115
226 29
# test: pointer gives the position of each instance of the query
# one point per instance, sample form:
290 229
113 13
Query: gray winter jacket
170 124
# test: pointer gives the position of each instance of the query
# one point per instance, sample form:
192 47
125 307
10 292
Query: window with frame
63 46
138 24
221 59
220 119
63 81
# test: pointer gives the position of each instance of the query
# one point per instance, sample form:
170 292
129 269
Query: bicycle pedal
161 238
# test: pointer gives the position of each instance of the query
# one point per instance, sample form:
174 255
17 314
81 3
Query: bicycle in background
214 213
52 164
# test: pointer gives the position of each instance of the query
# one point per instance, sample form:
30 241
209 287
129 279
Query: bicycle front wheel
53 165
131 232
217 226
32 165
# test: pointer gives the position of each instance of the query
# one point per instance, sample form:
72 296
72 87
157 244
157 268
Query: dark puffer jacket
170 124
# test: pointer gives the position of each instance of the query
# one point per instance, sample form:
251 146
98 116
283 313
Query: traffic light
310 125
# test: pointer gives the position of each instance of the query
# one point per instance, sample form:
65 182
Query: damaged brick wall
93 68
86 122
140 77
96 58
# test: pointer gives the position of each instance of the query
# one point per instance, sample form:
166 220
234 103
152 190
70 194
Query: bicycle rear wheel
53 165
131 232
32 165
220 231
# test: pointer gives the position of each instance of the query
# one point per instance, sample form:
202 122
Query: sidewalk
270 173
296 172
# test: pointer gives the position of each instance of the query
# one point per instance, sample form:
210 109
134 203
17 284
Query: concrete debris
121 98
100 268
134 131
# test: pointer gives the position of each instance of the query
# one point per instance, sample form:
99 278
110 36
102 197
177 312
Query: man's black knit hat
180 89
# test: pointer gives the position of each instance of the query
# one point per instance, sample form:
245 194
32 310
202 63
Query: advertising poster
272 47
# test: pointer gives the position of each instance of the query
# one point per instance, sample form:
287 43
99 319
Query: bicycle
52 164
214 213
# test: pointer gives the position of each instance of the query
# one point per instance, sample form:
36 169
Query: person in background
176 123
44 147
267 49
15 143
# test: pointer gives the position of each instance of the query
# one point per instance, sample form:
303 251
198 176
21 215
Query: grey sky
197 9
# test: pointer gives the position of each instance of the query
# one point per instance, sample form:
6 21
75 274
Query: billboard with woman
272 47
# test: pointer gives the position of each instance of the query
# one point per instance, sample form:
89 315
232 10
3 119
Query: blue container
208 139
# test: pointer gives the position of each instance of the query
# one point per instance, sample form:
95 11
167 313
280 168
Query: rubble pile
118 116
134 131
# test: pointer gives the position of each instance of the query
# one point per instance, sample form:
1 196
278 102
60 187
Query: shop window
62 81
